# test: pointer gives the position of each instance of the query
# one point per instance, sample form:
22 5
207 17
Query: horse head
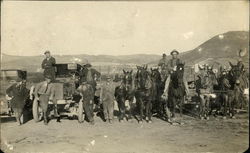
235 73
155 74
143 77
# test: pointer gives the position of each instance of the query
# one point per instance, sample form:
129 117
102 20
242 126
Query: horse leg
202 105
225 105
208 106
130 109
181 105
141 109
148 110
173 101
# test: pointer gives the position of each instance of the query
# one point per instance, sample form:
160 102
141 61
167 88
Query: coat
49 67
19 94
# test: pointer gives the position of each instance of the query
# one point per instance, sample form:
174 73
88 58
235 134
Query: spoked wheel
36 111
80 112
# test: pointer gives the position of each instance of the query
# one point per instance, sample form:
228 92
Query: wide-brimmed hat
85 63
174 52
47 51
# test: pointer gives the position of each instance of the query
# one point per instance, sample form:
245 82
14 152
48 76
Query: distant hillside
33 63
220 49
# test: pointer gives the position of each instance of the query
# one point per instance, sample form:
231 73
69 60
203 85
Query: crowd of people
45 90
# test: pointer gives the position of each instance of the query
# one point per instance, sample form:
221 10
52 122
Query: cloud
188 35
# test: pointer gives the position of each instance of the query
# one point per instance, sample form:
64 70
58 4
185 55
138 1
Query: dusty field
216 135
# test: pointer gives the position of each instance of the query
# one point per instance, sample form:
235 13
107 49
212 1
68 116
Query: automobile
8 77
66 83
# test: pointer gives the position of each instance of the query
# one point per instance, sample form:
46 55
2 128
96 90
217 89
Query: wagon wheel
36 111
80 111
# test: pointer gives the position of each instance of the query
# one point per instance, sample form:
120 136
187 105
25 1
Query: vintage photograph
124 76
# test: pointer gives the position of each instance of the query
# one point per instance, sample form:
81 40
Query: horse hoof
140 122
224 117
233 117
149 121
207 118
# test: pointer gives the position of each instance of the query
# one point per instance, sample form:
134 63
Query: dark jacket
19 94
49 67
88 76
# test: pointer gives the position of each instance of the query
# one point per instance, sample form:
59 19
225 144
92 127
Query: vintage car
9 77
66 83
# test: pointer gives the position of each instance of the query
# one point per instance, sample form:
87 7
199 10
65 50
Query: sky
116 28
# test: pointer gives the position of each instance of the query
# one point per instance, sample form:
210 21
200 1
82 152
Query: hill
219 49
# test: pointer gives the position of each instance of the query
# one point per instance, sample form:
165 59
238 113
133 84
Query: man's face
174 55
47 55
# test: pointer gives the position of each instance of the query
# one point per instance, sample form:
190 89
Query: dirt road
216 135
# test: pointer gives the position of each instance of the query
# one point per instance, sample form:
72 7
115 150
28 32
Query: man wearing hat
87 96
172 63
107 99
18 94
88 74
45 92
48 65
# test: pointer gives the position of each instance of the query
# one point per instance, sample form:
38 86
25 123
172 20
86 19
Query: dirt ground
68 136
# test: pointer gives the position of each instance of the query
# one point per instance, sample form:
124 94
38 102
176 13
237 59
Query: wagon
66 83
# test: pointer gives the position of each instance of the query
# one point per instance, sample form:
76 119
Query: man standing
107 99
172 63
88 74
44 92
48 65
18 94
87 96
163 65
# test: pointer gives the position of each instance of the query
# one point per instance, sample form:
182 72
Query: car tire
35 111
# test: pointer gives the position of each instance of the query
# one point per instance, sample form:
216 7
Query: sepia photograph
124 76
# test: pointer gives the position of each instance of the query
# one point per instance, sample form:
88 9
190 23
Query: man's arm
37 87
9 90
165 93
53 61
44 64
52 92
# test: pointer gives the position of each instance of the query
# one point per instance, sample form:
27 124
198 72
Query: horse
158 87
143 93
204 87
175 89
123 92
233 85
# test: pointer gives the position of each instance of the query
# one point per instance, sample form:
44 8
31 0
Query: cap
174 52
47 52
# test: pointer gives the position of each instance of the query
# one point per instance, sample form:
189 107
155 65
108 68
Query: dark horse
123 92
233 85
175 90
143 93
157 91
